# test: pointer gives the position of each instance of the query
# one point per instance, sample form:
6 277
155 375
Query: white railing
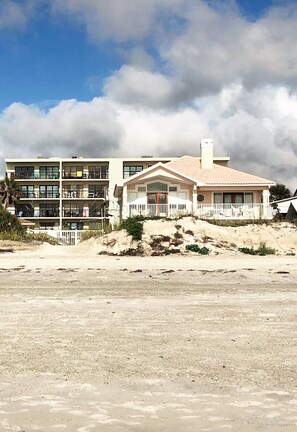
69 237
203 211
233 211
162 210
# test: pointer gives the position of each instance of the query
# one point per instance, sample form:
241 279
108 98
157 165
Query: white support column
194 207
265 195
125 204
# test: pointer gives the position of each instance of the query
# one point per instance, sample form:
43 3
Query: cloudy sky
151 77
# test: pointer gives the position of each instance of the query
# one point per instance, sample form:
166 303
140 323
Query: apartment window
131 170
27 191
73 191
49 172
73 226
48 210
73 210
73 172
24 172
48 191
98 172
25 210
96 209
97 191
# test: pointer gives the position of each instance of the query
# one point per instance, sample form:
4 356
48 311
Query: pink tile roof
191 166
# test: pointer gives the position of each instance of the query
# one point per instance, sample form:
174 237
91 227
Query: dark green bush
262 250
196 248
10 223
134 226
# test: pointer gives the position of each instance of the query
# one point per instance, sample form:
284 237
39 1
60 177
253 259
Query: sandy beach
174 343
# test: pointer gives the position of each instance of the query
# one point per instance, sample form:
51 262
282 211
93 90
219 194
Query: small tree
10 192
9 222
279 192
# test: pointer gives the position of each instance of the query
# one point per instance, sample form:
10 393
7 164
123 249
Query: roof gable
160 170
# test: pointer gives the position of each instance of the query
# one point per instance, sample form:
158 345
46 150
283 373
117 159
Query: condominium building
72 193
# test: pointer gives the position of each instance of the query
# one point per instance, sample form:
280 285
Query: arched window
157 187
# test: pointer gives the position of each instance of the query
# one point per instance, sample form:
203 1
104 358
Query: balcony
73 213
79 194
230 211
162 210
47 213
40 195
204 211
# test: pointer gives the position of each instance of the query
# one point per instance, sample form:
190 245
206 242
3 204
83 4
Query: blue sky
106 78
53 58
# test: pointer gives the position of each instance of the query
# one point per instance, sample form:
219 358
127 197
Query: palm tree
279 192
10 192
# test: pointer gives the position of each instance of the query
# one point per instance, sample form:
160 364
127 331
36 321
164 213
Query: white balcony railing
162 210
203 211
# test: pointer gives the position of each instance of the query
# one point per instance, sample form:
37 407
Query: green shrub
237 223
262 250
42 238
10 223
196 248
134 226
12 236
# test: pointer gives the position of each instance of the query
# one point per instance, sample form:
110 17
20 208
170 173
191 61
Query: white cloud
135 86
16 15
213 73
70 128
255 128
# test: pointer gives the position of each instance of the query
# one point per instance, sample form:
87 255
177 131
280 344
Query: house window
131 170
141 189
157 187
172 188
49 172
24 172
233 198
248 198
132 196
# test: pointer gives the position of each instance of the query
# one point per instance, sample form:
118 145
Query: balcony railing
66 194
230 211
48 213
40 195
97 175
203 211
80 194
73 213
151 210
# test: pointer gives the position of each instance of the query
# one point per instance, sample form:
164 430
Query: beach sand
170 344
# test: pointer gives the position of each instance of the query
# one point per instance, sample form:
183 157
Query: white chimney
206 153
